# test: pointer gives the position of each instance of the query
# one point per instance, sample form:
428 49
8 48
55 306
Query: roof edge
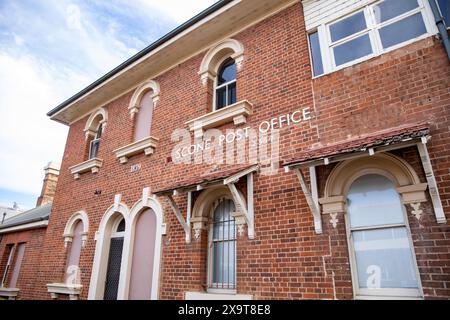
216 6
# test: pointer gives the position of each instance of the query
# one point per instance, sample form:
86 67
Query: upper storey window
373 30
226 84
143 122
95 143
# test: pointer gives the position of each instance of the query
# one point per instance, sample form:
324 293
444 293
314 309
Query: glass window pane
95 144
389 9
217 262
444 6
232 93
348 26
121 226
316 55
373 200
221 98
384 259
403 30
227 72
352 50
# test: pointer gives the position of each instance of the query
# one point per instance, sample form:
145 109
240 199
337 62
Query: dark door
113 271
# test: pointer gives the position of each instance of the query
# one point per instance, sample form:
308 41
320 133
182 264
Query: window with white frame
95 143
222 247
225 90
382 256
370 31
444 7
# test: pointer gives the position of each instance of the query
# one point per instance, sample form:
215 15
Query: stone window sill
10 293
146 146
92 165
236 113
56 289
216 296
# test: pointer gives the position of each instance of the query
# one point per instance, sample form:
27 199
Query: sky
50 50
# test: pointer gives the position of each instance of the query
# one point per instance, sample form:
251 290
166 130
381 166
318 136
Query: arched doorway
114 260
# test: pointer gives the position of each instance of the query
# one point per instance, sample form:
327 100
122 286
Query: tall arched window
383 262
225 86
95 143
72 274
114 260
222 247
141 281
143 122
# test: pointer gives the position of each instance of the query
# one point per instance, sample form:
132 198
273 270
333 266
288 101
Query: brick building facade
352 200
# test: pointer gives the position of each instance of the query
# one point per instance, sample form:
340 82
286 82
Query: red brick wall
286 260
29 271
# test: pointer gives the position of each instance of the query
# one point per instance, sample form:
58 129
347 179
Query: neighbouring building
21 239
7 212
265 149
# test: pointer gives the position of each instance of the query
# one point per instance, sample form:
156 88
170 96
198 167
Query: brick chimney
49 185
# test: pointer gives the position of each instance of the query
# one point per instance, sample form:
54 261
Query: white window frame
216 87
96 139
8 265
210 287
326 45
383 293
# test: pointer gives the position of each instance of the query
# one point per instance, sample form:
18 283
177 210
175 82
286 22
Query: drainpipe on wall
441 26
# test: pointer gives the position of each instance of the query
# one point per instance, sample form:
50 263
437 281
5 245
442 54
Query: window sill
62 288
10 293
92 165
146 146
216 296
236 113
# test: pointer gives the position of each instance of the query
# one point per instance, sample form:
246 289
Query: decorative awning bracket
184 223
431 180
310 195
246 210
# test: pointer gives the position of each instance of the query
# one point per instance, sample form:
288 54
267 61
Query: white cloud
73 17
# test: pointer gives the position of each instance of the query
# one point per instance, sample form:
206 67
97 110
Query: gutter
439 20
24 223
215 7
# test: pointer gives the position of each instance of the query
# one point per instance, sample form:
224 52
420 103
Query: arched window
114 260
382 258
141 280
225 86
72 273
143 124
222 244
95 143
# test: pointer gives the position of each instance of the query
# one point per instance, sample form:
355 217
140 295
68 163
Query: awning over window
207 179
379 141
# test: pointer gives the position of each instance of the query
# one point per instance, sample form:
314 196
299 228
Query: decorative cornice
146 145
92 165
236 113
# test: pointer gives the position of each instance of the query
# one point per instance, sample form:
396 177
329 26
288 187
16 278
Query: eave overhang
224 19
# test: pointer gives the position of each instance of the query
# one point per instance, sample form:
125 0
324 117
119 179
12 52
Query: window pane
121 226
384 259
217 262
403 30
227 72
389 9
444 6
348 26
373 200
316 54
232 93
221 98
95 144
352 50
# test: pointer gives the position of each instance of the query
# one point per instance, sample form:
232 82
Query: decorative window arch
97 118
229 48
141 90
103 237
407 182
70 226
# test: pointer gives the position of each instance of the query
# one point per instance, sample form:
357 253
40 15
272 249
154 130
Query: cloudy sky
51 49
